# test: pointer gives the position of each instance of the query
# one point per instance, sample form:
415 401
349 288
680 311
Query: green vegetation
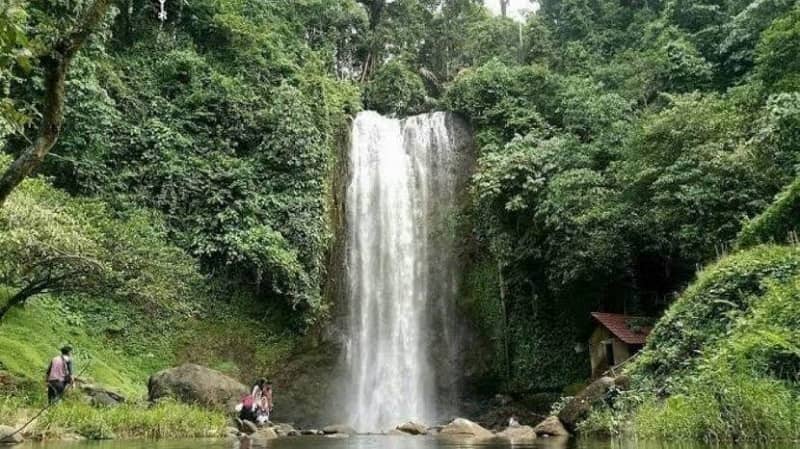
190 197
165 420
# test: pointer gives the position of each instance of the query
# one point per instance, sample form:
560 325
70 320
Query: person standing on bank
59 374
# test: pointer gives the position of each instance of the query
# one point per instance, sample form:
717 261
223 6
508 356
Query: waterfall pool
393 442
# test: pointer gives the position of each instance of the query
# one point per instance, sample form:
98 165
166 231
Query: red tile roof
618 325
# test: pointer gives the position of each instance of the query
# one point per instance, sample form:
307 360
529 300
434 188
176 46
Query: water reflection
398 442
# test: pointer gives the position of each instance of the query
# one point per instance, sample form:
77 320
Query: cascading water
402 276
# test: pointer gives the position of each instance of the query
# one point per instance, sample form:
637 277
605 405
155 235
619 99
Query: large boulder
413 428
518 433
551 427
578 408
8 437
461 427
195 384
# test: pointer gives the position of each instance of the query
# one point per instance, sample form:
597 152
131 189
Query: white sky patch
517 9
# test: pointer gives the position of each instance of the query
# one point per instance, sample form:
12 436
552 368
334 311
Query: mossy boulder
195 384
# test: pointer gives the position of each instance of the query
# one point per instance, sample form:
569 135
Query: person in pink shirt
59 374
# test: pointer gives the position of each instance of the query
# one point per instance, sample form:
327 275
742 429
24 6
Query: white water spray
401 270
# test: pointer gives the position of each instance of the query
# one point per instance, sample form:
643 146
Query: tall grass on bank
733 407
166 420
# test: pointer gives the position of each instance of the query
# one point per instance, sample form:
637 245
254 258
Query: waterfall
402 277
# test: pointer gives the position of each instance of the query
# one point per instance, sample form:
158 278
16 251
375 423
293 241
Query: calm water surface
391 442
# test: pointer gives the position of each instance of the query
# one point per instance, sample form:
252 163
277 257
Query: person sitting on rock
262 399
247 409
59 374
266 401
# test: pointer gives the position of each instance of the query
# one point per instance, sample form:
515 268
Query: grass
31 336
735 408
166 420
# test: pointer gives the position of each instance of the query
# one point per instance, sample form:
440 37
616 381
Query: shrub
395 89
777 223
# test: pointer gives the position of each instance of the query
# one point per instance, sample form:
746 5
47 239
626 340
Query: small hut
616 338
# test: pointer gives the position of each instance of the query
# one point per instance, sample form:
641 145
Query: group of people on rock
257 406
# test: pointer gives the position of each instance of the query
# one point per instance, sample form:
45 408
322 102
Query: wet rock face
195 384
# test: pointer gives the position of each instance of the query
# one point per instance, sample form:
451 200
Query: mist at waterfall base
405 182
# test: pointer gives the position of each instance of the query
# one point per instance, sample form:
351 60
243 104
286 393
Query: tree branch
56 65
21 296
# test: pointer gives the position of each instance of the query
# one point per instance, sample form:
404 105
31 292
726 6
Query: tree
395 89
52 243
56 65
504 7
14 52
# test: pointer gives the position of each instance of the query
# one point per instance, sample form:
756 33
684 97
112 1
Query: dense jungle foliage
622 146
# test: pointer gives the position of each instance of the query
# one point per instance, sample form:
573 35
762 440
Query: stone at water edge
551 427
338 429
6 437
263 434
413 428
247 427
396 433
579 407
518 433
310 432
461 427
284 430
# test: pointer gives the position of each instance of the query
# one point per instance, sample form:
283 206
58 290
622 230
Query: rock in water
263 435
247 427
284 430
6 437
195 384
413 428
338 429
551 427
518 433
461 427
